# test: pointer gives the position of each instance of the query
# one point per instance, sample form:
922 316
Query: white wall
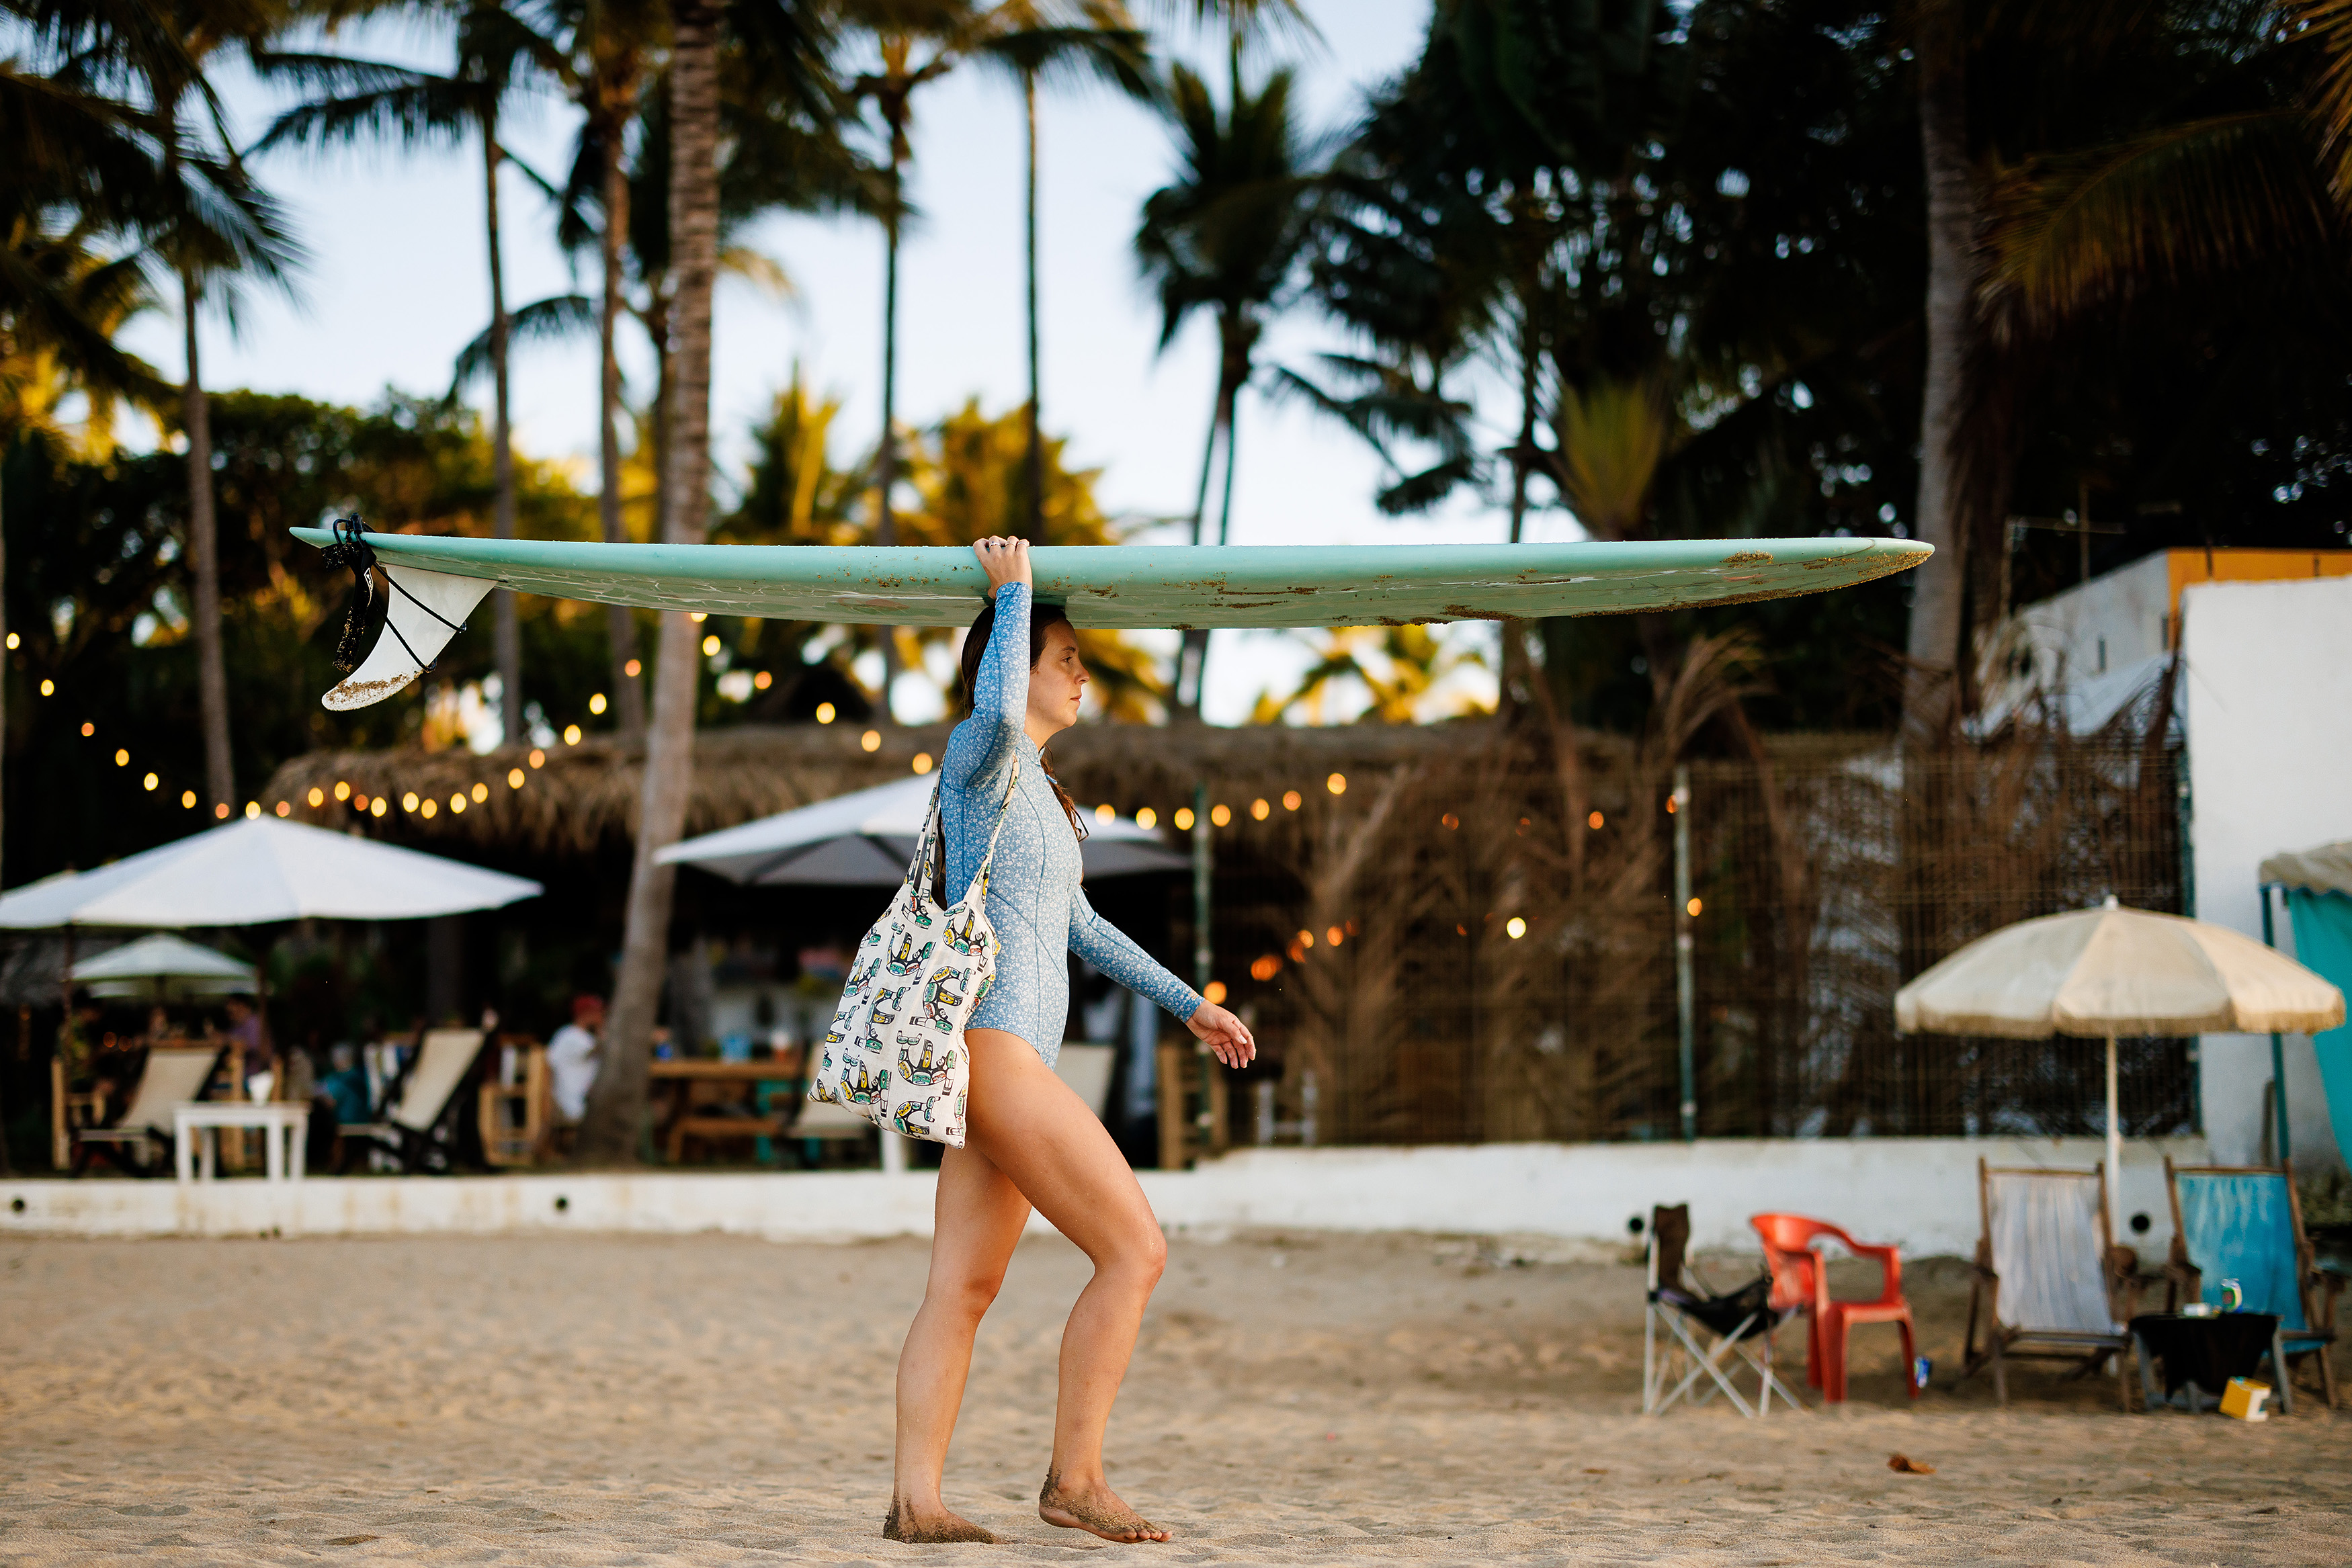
2268 700
1569 1199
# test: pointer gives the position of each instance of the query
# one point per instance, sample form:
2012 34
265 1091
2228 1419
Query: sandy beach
1295 1399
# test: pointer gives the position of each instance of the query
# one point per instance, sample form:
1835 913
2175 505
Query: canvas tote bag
896 1052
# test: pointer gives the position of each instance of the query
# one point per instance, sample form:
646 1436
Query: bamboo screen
1370 933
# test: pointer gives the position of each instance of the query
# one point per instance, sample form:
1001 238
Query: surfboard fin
426 609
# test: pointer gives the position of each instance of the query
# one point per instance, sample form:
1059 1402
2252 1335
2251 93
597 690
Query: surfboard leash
352 549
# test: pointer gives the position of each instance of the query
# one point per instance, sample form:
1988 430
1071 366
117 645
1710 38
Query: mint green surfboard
441 580
1165 586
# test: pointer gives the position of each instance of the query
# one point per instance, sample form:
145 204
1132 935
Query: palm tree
1096 38
368 99
1225 237
1934 639
218 227
793 48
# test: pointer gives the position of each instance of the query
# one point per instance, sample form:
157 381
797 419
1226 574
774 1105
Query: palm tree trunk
1192 657
1515 677
508 642
1935 633
1034 527
628 697
616 1106
886 459
6 447
204 551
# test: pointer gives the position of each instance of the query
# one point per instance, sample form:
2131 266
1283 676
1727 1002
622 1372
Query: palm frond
559 319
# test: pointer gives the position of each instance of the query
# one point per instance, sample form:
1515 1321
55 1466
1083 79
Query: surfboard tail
427 610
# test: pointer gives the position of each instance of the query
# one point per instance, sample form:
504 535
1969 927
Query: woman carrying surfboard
1029 1140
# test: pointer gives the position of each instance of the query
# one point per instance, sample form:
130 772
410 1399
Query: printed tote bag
896 1052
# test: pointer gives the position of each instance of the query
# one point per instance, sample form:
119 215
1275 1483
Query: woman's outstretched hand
1228 1039
1005 560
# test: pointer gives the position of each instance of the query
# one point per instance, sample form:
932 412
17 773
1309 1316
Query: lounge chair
1739 1324
173 1075
2244 1223
1801 1282
413 1124
2048 1276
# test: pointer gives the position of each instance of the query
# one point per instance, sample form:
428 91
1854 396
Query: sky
396 283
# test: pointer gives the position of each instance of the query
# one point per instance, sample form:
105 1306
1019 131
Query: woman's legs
977 1219
1036 1133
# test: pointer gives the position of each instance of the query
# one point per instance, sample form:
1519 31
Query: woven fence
1474 939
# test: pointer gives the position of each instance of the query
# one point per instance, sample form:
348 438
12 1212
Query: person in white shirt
571 1058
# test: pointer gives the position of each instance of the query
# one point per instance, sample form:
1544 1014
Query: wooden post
1170 1063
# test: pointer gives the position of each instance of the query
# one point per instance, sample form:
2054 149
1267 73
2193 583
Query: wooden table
679 1076
284 1128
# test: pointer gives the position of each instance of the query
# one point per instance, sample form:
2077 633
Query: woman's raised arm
1001 690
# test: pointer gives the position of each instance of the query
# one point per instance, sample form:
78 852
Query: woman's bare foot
930 1526
1097 1509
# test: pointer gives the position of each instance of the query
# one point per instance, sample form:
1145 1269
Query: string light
632 668
538 758
1102 813
1292 800
824 712
48 688
1215 994
343 788
1265 968
408 801
1594 821
1693 907
252 810
187 800
221 811
515 776
571 735
596 702
88 729
317 797
922 762
12 641
1220 815
480 792
1451 821
1337 783
1334 937
1147 817
457 805
1516 926
1259 809
149 782
871 741
1183 819
1307 939
711 647
121 758
376 808
425 809
763 680
359 802
285 807
699 616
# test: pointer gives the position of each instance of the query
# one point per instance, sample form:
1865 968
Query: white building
2265 701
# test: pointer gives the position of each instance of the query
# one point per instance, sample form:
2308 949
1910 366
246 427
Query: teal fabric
2240 1228
2322 941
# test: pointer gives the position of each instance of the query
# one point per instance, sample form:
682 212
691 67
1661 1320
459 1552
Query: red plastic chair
1800 1280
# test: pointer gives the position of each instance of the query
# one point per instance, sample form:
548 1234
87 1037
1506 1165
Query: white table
284 1129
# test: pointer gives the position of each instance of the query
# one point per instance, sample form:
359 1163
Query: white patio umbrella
154 965
865 839
258 871
2114 971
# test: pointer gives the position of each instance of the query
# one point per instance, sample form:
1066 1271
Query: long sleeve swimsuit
1033 898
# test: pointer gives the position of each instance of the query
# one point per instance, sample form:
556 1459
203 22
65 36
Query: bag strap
935 832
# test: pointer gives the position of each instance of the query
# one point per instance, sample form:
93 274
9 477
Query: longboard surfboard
1116 587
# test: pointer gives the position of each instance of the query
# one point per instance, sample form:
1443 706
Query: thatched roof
576 796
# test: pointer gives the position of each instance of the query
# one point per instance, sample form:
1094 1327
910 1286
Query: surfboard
1111 587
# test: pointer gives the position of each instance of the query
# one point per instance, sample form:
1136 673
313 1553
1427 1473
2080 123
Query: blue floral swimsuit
1033 898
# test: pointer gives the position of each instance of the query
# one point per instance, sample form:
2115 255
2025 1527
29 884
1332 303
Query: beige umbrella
2114 971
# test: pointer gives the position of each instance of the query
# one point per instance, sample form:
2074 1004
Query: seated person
571 1058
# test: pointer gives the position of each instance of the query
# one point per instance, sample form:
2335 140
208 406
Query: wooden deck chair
2048 1276
2244 1223
1740 1326
173 1075
413 1124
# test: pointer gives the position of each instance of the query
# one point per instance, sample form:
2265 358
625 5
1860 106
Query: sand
1295 1399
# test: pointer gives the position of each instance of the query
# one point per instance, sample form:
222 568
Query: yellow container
2244 1398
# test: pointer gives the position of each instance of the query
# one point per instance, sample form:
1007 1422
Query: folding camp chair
412 1123
2048 1274
2244 1223
173 1075
1740 1325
